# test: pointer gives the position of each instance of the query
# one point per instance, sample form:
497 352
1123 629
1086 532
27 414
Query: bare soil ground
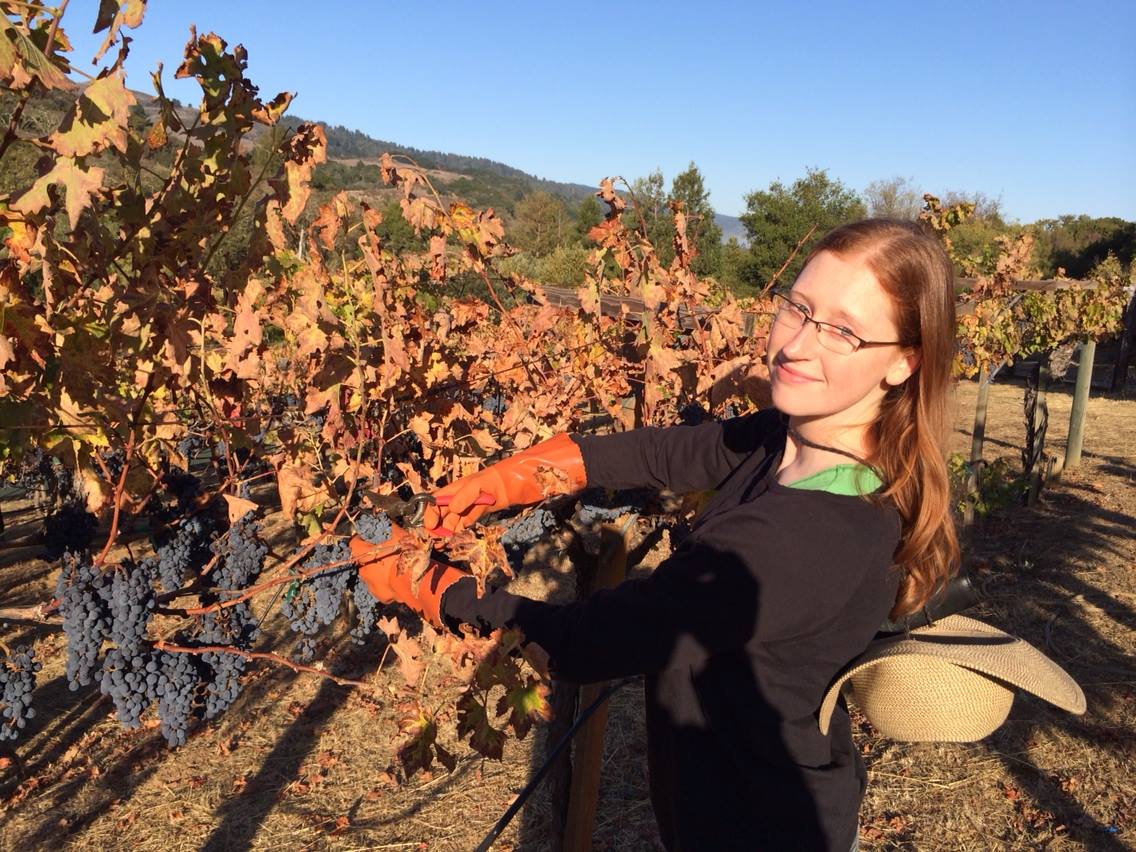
300 762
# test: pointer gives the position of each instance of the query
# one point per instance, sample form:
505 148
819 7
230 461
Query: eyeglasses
834 338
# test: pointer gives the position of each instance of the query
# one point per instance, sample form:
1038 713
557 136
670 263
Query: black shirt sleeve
681 458
751 577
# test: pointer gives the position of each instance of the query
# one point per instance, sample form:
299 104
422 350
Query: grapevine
337 372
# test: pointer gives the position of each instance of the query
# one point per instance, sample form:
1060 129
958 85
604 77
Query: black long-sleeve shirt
739 632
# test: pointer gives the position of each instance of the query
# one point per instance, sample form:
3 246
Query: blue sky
1033 103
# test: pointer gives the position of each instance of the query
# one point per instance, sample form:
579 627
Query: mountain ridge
347 146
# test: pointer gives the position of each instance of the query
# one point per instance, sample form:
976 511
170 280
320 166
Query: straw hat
951 681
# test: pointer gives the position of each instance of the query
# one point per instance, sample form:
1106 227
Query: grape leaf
238 507
305 150
99 118
113 15
525 704
409 653
473 722
78 184
482 551
21 61
418 752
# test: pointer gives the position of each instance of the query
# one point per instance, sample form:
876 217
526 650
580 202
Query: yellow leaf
78 183
238 507
114 14
21 60
99 118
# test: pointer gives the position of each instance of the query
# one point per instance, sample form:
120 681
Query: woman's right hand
551 467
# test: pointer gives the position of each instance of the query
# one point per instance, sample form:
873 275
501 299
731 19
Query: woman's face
811 382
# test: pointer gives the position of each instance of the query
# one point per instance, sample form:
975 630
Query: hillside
353 159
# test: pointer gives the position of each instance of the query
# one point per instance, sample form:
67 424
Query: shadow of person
727 767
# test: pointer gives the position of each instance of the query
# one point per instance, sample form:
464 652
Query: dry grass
300 764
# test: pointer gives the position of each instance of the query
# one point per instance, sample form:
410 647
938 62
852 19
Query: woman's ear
903 367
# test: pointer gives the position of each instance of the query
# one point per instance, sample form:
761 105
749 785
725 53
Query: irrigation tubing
523 796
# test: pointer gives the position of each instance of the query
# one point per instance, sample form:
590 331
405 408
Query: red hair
907 439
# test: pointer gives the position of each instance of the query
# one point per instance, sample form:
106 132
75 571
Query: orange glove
379 568
551 467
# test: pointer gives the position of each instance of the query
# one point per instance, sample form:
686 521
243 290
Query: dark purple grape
317 599
84 604
17 682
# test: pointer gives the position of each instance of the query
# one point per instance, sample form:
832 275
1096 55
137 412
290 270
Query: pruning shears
409 513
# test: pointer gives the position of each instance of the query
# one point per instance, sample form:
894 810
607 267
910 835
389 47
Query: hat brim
973 645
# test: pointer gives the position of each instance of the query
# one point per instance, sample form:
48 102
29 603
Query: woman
831 512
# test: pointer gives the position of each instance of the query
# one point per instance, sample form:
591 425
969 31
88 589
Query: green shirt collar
850 479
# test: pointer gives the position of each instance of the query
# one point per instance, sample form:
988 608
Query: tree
701 229
540 223
650 210
778 218
587 217
1078 243
894 198
733 258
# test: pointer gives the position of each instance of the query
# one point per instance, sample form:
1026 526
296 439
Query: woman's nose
803 343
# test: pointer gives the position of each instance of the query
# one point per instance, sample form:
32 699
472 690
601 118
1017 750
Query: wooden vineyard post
574 791
977 438
1036 466
1127 344
586 759
1080 404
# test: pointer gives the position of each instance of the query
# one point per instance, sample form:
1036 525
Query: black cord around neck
801 439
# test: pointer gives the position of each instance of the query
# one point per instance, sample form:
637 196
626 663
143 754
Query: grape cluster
305 649
366 611
529 528
130 673
599 507
219 671
317 600
131 681
84 595
242 555
223 684
374 528
589 515
114 460
17 679
72 528
45 479
35 474
185 550
118 606
131 605
524 532
171 679
189 446
176 686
